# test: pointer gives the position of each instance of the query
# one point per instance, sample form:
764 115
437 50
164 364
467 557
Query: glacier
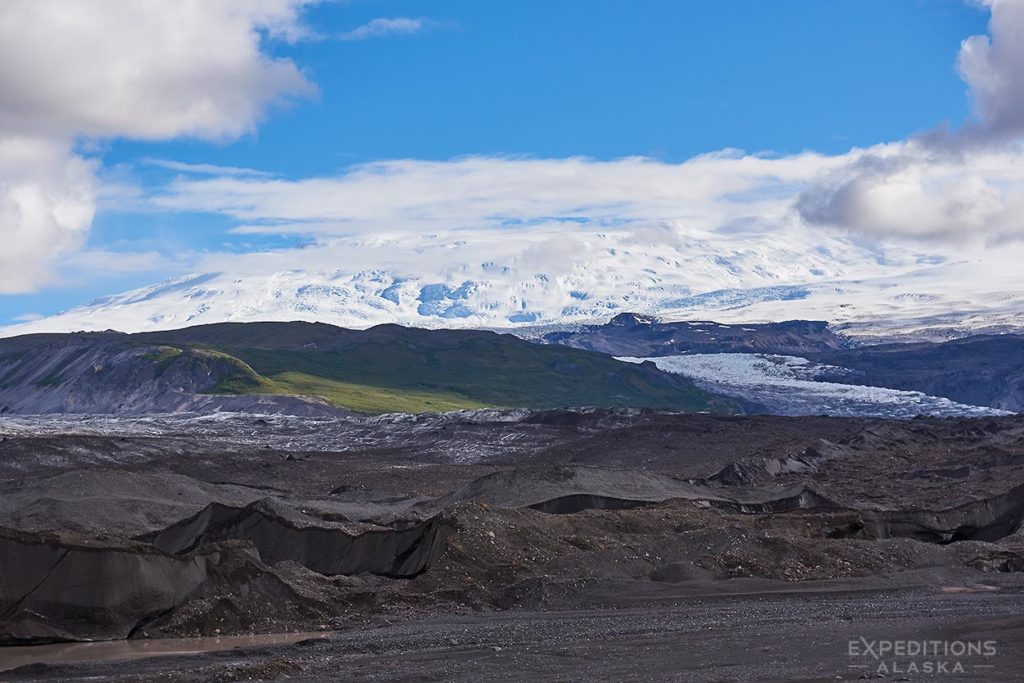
787 385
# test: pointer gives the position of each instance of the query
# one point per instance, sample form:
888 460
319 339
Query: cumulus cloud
966 185
384 26
47 200
149 69
993 68
917 190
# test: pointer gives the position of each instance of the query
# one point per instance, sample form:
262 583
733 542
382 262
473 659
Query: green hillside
366 398
395 369
392 368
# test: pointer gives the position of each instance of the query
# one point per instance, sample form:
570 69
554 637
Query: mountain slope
789 385
108 374
306 367
986 370
515 278
768 365
630 334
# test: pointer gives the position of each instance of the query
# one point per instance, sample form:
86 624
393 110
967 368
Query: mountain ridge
632 334
315 367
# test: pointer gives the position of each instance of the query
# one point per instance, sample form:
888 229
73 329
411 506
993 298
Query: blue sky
605 79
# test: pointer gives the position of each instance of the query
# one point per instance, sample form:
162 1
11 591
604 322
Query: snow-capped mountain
518 278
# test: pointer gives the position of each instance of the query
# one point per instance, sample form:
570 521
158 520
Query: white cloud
966 185
385 26
91 263
204 169
993 68
915 190
901 190
148 69
151 69
704 193
159 69
47 200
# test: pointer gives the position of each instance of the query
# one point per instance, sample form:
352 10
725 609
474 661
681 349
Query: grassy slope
238 377
390 368
370 399
475 373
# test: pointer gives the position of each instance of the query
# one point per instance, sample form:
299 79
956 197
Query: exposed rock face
980 370
107 374
280 534
630 334
56 587
991 519
65 587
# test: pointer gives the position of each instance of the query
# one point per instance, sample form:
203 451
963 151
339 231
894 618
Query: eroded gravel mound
189 527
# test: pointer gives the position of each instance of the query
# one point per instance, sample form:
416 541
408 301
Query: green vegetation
237 377
369 399
233 375
163 358
395 369
496 371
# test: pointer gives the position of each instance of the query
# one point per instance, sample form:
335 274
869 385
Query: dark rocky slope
60 587
279 533
631 334
979 370
109 374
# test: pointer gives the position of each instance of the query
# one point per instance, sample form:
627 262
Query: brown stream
113 650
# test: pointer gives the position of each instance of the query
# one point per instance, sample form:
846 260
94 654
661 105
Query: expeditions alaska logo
928 657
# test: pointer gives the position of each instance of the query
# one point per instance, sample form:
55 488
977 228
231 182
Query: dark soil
556 545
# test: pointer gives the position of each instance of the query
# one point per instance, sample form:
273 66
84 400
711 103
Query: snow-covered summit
528 278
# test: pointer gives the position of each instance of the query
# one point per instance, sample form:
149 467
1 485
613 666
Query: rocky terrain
469 545
797 367
983 370
788 368
105 375
632 334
